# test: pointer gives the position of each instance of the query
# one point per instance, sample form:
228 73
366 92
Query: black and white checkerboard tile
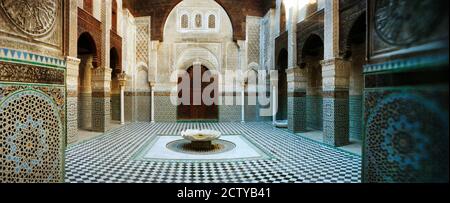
109 158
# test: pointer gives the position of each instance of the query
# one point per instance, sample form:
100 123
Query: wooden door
200 112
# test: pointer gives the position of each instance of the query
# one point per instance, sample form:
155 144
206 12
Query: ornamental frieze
11 72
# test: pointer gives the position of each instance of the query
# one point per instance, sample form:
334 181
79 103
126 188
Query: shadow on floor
354 147
84 135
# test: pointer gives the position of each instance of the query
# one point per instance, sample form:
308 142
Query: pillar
335 74
101 76
72 98
274 101
152 86
101 99
71 34
122 82
243 103
295 78
297 82
242 67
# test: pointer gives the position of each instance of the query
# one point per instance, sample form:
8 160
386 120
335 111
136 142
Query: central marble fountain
201 140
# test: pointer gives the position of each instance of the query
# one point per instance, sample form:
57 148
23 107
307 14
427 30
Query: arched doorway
197 109
282 85
356 54
87 54
312 55
115 85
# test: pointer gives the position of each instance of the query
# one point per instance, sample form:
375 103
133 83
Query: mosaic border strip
16 56
408 64
139 155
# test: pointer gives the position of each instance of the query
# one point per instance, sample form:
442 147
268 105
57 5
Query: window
212 21
184 21
198 21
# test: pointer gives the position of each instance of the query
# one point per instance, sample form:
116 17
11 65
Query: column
73 64
335 73
295 78
275 104
297 83
152 85
101 99
242 67
122 82
101 76
243 103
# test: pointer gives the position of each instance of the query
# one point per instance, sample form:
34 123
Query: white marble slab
243 150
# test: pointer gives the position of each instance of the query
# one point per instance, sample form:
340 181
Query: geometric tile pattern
335 121
166 112
30 58
109 159
31 133
355 117
314 109
297 114
406 135
101 113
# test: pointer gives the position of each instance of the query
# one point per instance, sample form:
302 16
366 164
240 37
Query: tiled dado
101 113
165 111
137 106
314 109
297 111
355 116
115 107
33 117
335 117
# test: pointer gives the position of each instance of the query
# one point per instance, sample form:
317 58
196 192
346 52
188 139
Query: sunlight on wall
300 4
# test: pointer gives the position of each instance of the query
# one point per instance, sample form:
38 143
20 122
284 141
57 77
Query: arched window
184 21
198 21
212 21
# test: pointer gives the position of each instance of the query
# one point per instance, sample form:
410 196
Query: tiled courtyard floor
110 158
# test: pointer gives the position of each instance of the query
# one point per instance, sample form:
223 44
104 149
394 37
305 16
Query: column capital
241 44
335 73
296 74
155 45
122 77
103 73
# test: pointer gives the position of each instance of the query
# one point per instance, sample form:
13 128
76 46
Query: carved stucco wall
32 91
181 47
213 47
